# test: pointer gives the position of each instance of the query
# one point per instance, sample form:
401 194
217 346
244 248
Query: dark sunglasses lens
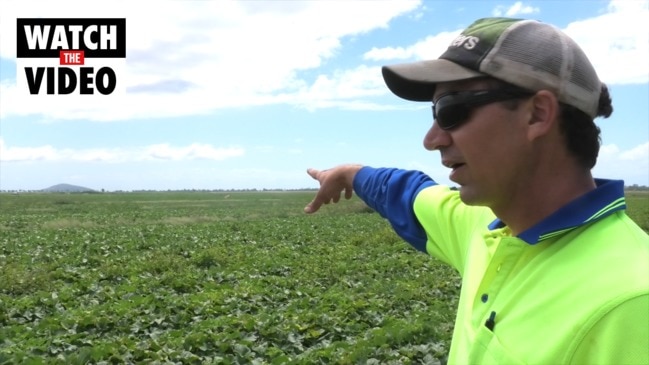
450 114
453 109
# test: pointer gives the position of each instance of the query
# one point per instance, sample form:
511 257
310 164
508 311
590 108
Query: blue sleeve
392 192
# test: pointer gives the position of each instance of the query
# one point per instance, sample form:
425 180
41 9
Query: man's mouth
452 165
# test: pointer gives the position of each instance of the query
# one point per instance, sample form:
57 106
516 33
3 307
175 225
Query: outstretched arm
390 192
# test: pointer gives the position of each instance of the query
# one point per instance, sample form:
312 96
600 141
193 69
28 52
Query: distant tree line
158 191
634 187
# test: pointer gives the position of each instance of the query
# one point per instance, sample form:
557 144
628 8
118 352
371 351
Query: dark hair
581 133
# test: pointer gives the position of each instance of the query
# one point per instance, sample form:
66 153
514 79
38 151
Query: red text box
68 57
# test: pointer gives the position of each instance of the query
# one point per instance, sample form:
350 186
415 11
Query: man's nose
436 138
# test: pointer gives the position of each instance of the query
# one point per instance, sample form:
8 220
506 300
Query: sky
249 94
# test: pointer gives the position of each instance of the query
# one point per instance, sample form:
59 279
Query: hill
67 188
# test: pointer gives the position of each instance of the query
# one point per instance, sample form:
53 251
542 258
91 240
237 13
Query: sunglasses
453 109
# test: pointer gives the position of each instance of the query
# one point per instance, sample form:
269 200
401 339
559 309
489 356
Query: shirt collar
607 198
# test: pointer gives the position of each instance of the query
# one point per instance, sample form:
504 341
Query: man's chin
470 196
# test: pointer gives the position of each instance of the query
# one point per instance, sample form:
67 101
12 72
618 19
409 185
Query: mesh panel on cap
543 55
582 73
539 56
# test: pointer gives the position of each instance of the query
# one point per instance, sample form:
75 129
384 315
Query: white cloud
166 152
631 165
639 153
617 42
388 53
191 152
193 57
620 56
429 48
517 9
343 89
182 61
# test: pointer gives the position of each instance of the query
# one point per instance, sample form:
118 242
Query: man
553 270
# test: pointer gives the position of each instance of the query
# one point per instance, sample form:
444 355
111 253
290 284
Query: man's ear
545 108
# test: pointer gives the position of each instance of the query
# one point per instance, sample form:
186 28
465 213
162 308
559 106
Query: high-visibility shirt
572 289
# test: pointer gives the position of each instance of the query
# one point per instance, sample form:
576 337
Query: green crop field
224 278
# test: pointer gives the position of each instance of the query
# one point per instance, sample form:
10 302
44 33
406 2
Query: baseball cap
526 53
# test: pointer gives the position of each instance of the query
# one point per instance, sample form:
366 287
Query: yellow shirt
579 295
